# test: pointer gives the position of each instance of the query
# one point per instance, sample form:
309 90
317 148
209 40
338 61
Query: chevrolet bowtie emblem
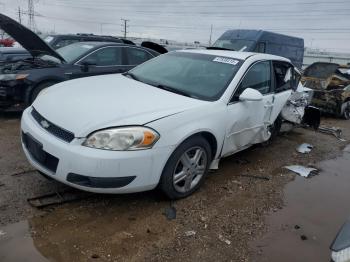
44 124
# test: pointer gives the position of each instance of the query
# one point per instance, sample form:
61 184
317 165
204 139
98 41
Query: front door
247 121
106 60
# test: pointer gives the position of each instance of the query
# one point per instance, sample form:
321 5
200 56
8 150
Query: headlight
9 77
123 138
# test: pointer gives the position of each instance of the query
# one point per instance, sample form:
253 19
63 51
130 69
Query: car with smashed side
164 123
21 81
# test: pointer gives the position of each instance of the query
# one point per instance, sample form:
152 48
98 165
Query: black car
11 54
21 82
58 41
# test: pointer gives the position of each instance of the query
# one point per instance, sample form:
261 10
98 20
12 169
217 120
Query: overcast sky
324 24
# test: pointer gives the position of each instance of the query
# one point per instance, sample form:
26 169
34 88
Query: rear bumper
94 170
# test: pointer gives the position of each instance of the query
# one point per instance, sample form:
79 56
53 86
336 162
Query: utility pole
211 33
31 14
125 26
19 15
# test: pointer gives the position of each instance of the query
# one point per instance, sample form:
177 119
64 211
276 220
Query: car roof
99 44
235 54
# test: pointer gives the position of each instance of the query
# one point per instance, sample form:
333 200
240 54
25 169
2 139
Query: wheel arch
39 83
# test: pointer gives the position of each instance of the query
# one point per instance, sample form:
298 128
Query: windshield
199 76
72 52
235 44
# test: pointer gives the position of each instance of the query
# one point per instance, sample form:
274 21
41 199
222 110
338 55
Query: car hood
89 104
26 38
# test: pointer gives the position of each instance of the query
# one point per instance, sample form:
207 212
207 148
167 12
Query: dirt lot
218 223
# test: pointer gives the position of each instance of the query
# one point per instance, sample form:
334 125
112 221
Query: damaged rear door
247 120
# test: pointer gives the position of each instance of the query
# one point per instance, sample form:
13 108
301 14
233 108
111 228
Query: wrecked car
331 87
22 81
163 123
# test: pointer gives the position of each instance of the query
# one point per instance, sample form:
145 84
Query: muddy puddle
16 244
315 209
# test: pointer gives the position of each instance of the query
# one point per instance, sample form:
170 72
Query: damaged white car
164 123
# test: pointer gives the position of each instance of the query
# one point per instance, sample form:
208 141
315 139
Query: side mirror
86 65
251 94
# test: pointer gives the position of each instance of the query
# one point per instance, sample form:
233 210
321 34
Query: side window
64 42
109 56
258 77
285 77
137 56
260 47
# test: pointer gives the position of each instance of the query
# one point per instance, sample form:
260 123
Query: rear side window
110 56
284 76
257 77
137 56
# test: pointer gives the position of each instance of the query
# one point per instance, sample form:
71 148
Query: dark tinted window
137 56
108 56
284 76
258 77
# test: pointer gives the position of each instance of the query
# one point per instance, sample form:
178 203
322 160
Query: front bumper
131 171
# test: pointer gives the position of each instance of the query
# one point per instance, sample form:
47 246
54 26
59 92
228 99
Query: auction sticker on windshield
226 60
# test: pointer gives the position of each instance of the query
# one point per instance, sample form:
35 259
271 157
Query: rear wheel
186 168
38 90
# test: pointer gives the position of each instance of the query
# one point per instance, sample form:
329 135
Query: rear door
136 56
106 60
247 120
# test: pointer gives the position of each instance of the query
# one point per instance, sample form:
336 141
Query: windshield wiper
176 91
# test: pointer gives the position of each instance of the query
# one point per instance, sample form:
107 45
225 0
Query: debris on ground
170 212
2 233
223 239
301 170
257 177
22 172
337 132
305 148
57 198
190 233
303 237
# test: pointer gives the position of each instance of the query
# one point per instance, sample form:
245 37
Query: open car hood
26 38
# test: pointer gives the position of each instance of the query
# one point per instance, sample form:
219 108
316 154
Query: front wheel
186 168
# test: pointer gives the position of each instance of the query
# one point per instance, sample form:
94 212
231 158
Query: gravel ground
215 224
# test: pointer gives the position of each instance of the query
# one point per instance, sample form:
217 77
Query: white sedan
164 123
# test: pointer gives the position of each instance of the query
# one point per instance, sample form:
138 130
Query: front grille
36 151
57 131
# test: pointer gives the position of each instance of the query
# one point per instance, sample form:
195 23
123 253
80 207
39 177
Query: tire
39 88
190 175
346 110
